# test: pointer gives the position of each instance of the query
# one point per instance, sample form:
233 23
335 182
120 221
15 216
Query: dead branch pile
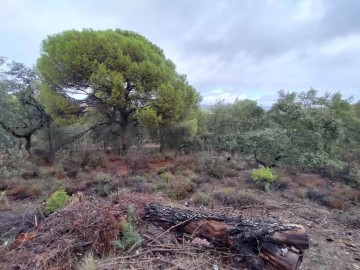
63 238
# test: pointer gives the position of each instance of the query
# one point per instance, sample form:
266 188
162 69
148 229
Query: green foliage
56 200
122 76
264 177
228 123
21 114
129 237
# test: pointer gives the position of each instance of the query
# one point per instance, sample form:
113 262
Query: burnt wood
259 242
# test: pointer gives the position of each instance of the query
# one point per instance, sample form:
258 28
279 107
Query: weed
246 198
56 200
317 195
160 184
3 198
181 188
167 177
103 184
202 199
226 196
229 196
129 236
87 263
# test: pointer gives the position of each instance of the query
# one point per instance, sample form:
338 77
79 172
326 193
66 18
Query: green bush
56 200
264 177
129 236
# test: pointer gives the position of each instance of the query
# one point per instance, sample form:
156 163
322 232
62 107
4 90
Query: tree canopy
115 73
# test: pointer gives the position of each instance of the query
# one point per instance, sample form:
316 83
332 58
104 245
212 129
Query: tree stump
257 241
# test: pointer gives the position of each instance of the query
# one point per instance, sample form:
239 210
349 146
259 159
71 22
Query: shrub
264 177
246 198
14 163
3 198
129 236
167 177
229 196
318 195
56 200
103 184
226 196
160 184
180 189
202 199
213 166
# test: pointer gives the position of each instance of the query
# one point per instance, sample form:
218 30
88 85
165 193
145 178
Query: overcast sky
227 49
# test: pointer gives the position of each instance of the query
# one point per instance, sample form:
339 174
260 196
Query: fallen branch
280 245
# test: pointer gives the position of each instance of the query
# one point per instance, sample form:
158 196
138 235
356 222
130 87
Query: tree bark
162 139
280 245
28 144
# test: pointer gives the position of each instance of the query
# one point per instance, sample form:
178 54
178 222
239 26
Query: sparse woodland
103 126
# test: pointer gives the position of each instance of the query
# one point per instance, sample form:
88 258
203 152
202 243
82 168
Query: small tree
21 114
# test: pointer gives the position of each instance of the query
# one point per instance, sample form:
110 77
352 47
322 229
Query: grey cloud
247 48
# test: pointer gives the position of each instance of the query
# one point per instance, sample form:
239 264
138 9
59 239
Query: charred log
258 242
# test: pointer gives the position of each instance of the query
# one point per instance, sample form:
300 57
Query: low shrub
14 163
3 198
202 199
318 195
129 236
167 177
103 184
229 196
263 177
56 200
336 203
214 166
226 196
181 188
246 198
160 184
